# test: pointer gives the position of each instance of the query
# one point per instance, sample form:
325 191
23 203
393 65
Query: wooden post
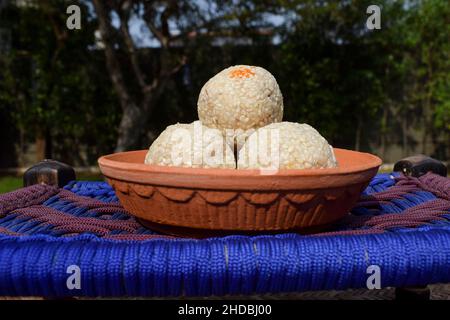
49 172
418 165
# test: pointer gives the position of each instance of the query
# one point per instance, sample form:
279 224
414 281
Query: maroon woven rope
133 237
25 197
349 232
27 204
433 183
408 218
73 224
90 203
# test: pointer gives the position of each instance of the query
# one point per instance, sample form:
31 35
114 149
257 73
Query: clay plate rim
354 167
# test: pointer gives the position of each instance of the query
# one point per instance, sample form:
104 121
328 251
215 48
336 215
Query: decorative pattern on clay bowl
203 202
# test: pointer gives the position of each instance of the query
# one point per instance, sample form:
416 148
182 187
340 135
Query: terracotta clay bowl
205 202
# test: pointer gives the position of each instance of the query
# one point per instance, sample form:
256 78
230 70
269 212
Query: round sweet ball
240 97
286 145
191 145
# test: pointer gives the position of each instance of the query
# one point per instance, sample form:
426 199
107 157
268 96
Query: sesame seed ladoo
286 145
191 145
239 109
240 97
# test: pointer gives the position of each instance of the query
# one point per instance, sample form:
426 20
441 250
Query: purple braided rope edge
411 217
26 197
26 203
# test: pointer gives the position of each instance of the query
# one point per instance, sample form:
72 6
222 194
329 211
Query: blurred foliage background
135 67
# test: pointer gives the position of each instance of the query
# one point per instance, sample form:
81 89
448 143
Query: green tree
382 86
46 84
176 28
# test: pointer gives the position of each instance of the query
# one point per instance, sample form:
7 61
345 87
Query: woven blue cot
47 235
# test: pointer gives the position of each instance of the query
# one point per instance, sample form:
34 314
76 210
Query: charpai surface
400 224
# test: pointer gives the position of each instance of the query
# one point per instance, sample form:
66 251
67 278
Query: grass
11 182
89 176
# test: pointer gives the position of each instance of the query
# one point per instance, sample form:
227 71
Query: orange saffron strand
242 73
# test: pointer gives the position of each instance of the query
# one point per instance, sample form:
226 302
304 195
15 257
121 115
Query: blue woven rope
93 189
397 205
381 182
231 265
36 264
